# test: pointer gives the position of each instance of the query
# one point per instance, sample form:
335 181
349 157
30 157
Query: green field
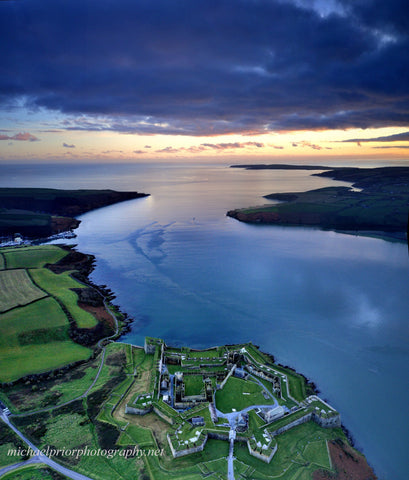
33 326
44 314
26 331
16 289
2 262
28 359
59 286
197 466
203 354
33 257
239 394
193 384
65 430
54 390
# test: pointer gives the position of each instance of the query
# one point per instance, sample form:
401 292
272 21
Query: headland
376 205
41 212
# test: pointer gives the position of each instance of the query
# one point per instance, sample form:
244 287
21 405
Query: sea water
333 306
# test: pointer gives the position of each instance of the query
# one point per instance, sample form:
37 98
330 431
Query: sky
253 80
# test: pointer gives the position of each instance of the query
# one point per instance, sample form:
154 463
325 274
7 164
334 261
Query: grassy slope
34 338
17 289
9 440
59 286
31 359
33 257
17 360
233 395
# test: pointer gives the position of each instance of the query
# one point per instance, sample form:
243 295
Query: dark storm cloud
207 67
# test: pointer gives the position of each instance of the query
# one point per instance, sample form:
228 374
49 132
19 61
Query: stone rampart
218 436
227 377
330 422
186 451
261 456
163 415
224 437
299 421
194 398
137 411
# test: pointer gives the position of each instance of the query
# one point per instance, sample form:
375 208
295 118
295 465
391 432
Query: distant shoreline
42 212
282 166
379 209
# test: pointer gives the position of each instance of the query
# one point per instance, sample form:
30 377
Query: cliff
40 212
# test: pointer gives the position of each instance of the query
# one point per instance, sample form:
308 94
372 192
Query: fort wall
138 411
186 451
163 415
260 456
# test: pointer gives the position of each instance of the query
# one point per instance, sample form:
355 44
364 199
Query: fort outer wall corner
186 451
260 456
137 411
323 422
165 417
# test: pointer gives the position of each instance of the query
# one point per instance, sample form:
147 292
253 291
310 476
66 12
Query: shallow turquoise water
335 307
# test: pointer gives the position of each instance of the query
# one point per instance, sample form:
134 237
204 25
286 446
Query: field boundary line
329 456
35 283
65 310
99 345
25 305
17 268
17 283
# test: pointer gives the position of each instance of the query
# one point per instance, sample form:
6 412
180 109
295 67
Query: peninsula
377 203
41 212
153 411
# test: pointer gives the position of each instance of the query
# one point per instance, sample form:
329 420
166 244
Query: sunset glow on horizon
136 81
113 146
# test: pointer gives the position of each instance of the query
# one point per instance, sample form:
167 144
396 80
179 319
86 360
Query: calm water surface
335 307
